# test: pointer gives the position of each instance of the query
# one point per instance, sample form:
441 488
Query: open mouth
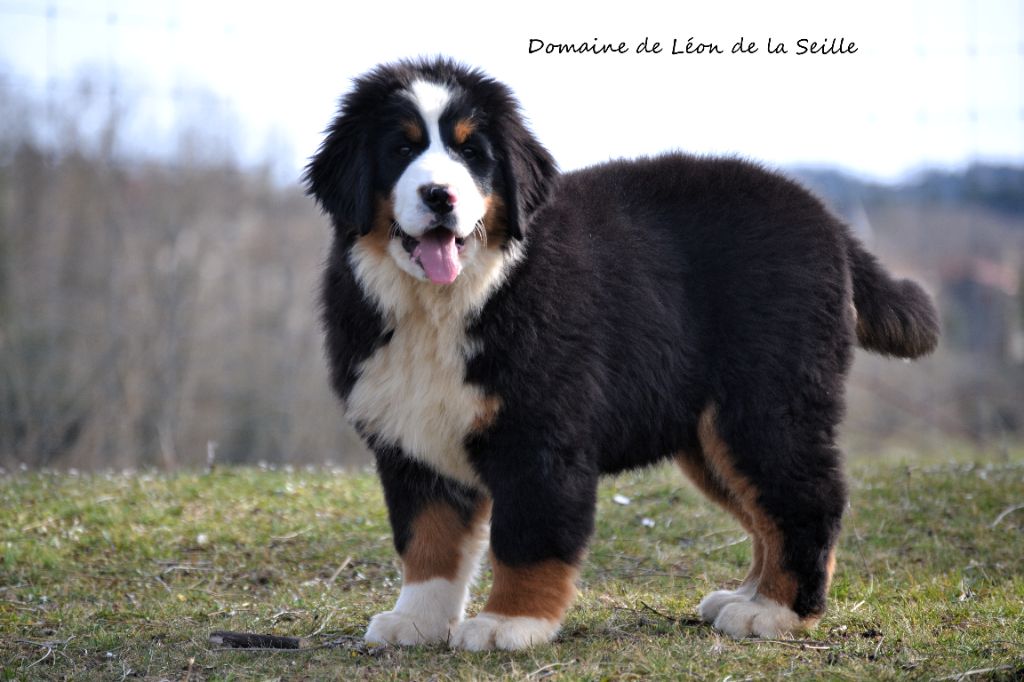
409 243
436 251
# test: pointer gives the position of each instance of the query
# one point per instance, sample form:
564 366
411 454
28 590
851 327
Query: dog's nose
438 198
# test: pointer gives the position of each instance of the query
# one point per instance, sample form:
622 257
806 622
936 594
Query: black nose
437 198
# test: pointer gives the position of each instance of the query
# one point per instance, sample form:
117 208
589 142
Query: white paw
712 604
757 617
491 631
395 627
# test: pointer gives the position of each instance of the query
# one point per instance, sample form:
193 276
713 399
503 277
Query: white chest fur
412 391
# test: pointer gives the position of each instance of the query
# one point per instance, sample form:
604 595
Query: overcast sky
932 82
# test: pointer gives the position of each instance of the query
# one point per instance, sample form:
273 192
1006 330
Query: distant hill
998 188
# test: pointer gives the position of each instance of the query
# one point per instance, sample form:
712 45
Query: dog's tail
894 317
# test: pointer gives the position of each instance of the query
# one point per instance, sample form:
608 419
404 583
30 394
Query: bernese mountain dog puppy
501 335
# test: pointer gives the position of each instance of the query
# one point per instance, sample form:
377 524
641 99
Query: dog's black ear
340 175
527 172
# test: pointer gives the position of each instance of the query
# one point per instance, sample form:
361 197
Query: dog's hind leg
702 476
793 496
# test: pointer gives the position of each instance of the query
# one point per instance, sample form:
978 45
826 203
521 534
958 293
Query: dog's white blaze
431 98
412 391
435 166
428 611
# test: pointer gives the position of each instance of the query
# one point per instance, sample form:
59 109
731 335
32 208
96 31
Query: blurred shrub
149 306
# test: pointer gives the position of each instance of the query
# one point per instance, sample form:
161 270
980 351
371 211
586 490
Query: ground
124 576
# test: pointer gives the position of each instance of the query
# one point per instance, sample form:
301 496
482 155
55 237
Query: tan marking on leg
438 538
464 127
487 413
697 470
541 590
434 594
412 130
775 583
756 560
830 568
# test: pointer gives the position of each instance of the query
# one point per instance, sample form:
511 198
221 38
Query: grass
124 577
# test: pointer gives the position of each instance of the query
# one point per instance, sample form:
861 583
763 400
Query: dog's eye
469 152
405 151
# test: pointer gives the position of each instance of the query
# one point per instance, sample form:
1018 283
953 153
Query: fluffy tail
894 317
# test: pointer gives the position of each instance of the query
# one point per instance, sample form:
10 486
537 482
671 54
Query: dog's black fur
652 294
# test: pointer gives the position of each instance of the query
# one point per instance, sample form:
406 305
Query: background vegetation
155 309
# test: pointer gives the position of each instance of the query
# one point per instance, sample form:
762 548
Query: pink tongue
439 256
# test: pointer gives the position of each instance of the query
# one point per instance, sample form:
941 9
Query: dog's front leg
542 518
440 531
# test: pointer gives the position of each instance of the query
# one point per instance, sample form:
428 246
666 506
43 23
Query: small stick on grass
970 673
545 671
51 648
1006 512
342 567
671 619
731 543
291 536
251 640
333 644
795 643
874 656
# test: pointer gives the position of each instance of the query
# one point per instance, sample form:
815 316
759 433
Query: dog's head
433 161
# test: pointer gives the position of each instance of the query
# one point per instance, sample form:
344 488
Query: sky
931 83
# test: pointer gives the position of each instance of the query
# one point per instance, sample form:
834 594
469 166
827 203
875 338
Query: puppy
501 335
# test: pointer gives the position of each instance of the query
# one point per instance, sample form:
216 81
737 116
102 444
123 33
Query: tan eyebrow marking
464 127
413 131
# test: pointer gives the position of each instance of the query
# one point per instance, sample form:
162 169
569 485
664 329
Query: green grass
124 576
